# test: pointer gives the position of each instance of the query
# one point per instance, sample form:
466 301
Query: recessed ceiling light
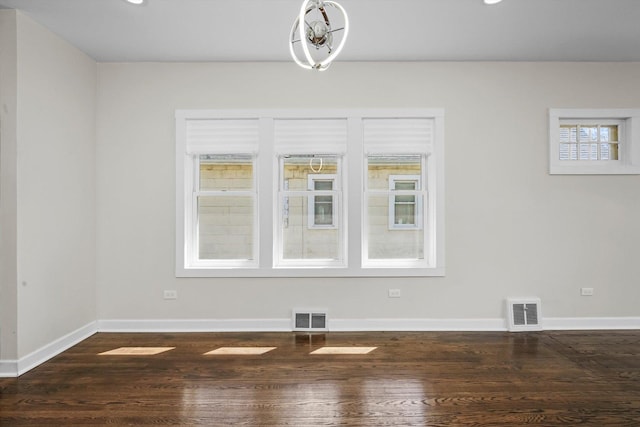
135 1
492 1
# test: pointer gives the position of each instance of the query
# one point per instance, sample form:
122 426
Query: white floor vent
310 320
524 314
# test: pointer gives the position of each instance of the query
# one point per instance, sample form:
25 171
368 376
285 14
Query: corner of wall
8 188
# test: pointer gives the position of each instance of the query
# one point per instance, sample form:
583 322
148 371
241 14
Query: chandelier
312 43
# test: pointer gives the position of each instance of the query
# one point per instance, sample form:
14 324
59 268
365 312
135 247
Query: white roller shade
398 136
310 136
222 136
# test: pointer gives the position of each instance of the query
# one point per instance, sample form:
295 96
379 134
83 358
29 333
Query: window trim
352 187
628 141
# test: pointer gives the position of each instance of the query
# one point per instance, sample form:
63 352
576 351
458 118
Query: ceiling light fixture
313 27
492 1
135 1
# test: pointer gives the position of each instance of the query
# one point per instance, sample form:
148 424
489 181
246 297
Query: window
590 140
224 217
400 157
320 209
311 234
394 235
220 199
310 231
594 141
405 209
309 193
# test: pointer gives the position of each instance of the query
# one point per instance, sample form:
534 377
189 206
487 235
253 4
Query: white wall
511 228
8 187
56 89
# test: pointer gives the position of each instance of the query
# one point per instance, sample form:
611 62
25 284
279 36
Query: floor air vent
310 320
524 314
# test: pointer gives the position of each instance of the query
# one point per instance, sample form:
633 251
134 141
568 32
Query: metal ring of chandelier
317 33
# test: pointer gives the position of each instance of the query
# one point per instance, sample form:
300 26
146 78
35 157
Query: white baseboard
56 347
284 325
590 323
15 368
8 368
359 325
196 325
416 325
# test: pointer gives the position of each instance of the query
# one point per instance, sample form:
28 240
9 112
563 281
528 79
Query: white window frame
352 217
628 121
192 225
281 202
400 137
431 220
335 215
418 215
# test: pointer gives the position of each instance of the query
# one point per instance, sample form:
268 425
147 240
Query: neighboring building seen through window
226 207
311 232
404 203
395 213
321 203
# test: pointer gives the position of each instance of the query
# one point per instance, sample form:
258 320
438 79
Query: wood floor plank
411 379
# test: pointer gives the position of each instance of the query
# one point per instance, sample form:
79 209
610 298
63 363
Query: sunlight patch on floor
136 351
344 350
240 351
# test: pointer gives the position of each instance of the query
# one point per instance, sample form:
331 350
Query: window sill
580 168
311 272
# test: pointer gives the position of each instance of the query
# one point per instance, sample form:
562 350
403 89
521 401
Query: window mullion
598 144
193 239
194 256
263 194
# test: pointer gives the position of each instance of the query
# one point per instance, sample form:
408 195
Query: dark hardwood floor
411 379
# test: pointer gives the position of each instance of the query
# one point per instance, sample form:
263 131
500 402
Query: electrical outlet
395 293
586 292
170 294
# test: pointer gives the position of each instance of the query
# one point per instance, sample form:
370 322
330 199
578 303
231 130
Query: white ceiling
381 30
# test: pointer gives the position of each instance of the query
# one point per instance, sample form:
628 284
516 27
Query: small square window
590 140
594 141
